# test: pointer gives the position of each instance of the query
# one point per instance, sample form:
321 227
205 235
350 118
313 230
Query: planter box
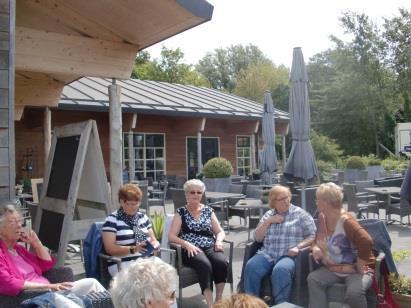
375 172
403 300
217 184
352 175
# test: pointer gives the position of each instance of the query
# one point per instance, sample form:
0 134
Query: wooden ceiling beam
55 53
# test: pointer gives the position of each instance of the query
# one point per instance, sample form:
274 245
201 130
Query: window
149 155
243 155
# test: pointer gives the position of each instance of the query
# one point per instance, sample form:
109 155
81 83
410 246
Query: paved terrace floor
400 236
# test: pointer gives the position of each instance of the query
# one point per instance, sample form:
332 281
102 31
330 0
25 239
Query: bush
324 168
394 164
355 162
400 284
372 160
325 148
217 167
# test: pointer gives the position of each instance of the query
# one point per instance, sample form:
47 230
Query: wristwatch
132 249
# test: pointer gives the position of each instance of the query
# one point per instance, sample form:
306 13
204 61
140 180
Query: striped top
125 235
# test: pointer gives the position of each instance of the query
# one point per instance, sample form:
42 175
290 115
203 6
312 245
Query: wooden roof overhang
59 41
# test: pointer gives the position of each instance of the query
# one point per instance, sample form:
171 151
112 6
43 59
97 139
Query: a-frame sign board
75 191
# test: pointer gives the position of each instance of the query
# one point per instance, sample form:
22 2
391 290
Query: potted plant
217 172
256 174
355 170
401 285
157 221
374 167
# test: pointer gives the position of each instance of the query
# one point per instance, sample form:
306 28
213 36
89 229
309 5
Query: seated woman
195 227
343 247
127 231
21 269
284 231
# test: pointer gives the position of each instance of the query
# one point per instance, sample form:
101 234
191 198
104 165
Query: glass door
209 149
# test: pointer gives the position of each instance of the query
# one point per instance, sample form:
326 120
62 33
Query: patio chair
366 196
187 276
355 206
336 293
232 211
158 197
299 291
54 275
398 206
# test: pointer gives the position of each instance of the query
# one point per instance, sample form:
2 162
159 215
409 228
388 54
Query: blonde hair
274 192
145 279
241 301
331 194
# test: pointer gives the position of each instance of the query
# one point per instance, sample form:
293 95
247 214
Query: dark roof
162 98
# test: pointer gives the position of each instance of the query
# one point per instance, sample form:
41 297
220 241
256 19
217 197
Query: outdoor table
385 192
251 204
214 196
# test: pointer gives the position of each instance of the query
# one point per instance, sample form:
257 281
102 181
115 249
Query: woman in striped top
127 232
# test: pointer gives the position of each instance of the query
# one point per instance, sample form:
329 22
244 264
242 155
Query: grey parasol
268 163
301 161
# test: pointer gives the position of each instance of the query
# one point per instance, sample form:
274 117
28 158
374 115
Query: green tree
325 148
168 68
222 66
253 81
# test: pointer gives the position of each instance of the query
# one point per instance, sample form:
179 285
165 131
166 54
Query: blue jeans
282 274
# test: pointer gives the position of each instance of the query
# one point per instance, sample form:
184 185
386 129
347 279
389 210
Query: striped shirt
279 238
125 236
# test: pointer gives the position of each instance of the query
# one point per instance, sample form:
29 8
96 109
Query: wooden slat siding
176 129
7 153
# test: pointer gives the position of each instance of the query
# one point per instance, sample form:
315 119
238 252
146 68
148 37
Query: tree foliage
222 66
253 81
168 68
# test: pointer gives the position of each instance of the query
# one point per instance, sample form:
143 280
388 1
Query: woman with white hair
147 283
196 228
21 269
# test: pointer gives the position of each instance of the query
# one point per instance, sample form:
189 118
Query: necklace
12 251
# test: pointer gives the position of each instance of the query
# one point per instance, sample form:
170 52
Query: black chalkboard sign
62 167
50 229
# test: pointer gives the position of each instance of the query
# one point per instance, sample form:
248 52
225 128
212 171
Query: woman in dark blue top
197 230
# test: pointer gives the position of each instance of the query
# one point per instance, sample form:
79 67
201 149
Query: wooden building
165 126
47 44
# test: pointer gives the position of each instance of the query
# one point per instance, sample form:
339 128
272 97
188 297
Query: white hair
147 278
5 209
188 185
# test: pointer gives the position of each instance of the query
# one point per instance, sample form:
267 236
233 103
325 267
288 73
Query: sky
275 26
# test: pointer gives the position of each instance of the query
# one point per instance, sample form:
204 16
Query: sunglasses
196 192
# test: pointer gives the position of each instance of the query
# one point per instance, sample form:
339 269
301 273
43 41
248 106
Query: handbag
385 300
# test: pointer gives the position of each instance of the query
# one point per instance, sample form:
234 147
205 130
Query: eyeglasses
172 297
196 192
15 221
132 203
282 199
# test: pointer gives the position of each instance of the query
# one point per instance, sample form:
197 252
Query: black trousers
210 266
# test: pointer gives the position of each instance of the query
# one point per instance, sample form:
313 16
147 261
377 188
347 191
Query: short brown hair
130 192
241 300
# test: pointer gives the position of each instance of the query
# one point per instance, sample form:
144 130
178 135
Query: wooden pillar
116 166
7 130
46 134
284 152
253 147
131 152
199 149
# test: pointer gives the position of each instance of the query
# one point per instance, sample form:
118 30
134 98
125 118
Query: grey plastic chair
355 206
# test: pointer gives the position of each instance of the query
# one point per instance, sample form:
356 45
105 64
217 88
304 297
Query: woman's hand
191 249
276 219
317 254
218 246
61 286
292 252
362 267
30 237
156 245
